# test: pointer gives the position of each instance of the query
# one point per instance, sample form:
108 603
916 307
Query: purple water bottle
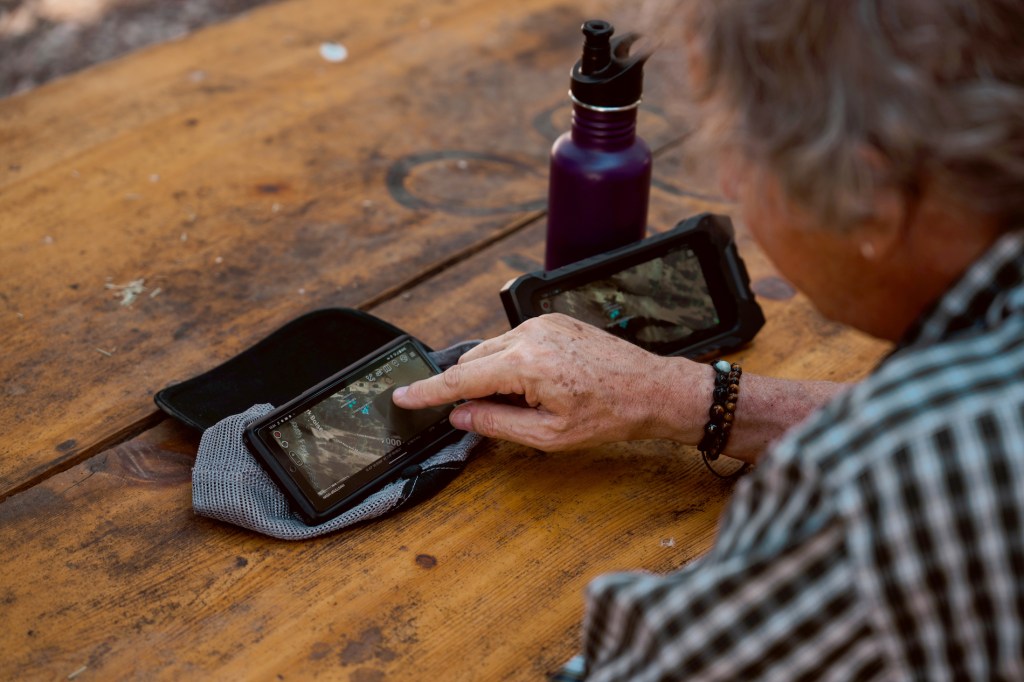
600 170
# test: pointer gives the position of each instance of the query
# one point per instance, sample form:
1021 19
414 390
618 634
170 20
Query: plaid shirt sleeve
884 538
774 598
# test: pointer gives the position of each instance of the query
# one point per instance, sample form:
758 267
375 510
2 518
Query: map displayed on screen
357 426
652 304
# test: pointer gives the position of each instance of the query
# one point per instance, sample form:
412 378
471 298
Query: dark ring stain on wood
544 124
66 445
773 289
400 171
426 560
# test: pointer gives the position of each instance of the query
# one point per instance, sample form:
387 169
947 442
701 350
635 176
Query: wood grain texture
106 567
238 180
248 181
484 581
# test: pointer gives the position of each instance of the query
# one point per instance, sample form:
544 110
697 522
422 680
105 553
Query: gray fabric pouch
228 484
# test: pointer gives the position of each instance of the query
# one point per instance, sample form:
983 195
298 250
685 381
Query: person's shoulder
953 382
959 385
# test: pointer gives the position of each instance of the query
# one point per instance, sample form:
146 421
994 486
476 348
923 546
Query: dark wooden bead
731 398
728 417
730 407
736 368
720 394
716 411
734 388
711 429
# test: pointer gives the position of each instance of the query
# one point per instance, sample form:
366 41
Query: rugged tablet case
717 230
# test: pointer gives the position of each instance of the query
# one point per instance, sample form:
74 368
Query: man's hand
581 387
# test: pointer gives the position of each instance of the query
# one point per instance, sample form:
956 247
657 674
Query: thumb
527 426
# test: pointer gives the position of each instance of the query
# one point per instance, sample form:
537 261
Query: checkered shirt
883 538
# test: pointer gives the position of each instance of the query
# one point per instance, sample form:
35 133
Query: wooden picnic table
162 212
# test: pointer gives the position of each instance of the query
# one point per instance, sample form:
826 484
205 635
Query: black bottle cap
607 76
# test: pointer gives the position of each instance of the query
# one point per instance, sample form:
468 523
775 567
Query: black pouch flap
300 354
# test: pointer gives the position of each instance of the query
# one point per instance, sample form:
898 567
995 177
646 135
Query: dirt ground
43 39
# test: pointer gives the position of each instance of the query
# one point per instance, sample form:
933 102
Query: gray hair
936 87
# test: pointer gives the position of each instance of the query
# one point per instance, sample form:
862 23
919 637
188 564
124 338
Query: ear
886 231
887 228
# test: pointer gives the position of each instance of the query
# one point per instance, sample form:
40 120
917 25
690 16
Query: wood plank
274 45
273 186
492 569
484 581
107 573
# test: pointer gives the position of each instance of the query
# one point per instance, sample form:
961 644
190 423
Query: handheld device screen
653 304
682 292
344 437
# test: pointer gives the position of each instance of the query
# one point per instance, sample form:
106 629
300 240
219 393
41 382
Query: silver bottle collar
607 110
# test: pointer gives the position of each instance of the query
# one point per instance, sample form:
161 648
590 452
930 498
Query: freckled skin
597 388
573 377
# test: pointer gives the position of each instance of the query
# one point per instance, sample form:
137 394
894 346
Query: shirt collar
991 289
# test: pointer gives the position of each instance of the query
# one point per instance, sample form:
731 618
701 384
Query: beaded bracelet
721 415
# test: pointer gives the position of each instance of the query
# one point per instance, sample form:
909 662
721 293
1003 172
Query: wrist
680 401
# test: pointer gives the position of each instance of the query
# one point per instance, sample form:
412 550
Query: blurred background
43 39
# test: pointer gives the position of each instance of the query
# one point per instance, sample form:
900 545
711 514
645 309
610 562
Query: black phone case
443 435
